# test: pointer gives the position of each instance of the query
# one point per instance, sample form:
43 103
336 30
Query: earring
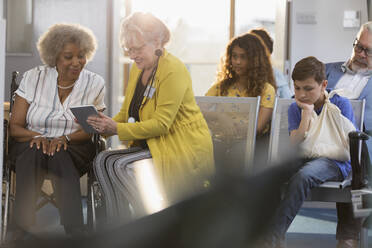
158 52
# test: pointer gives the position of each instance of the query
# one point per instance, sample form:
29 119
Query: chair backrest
241 111
280 146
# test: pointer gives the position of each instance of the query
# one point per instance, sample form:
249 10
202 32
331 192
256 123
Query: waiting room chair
242 112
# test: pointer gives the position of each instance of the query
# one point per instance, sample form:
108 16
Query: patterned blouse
46 114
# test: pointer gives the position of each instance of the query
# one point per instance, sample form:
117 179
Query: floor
314 226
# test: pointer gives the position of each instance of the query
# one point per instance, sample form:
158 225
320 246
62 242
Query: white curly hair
51 43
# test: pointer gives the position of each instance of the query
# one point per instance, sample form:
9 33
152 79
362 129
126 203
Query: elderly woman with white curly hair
47 138
160 112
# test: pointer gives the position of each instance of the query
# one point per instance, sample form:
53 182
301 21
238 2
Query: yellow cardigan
174 128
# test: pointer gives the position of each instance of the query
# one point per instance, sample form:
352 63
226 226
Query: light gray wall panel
1 9
326 39
2 68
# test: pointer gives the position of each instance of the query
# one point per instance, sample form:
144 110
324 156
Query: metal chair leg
97 206
93 209
363 238
90 203
6 210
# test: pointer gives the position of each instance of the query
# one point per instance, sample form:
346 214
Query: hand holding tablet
82 113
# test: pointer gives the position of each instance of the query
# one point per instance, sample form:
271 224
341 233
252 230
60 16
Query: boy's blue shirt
294 119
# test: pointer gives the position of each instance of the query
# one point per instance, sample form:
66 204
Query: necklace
66 87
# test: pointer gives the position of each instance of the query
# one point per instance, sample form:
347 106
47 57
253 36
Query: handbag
328 133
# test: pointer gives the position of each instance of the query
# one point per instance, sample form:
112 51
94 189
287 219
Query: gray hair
51 43
144 25
366 26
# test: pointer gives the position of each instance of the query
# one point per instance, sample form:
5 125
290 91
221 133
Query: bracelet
37 136
67 138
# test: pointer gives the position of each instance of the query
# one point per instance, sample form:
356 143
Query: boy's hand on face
305 106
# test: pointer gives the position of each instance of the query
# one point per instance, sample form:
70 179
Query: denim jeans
312 174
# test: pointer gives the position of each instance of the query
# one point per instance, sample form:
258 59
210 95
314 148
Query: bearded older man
354 77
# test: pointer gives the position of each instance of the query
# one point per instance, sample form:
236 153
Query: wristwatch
68 139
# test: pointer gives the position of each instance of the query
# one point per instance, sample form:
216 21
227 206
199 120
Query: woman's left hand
103 124
56 144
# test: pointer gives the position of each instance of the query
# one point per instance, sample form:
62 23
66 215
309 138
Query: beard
359 65
358 69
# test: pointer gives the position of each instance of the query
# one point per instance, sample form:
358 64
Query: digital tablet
82 113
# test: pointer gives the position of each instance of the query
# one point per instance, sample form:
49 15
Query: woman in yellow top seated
245 71
159 110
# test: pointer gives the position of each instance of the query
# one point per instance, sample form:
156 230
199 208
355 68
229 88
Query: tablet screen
82 113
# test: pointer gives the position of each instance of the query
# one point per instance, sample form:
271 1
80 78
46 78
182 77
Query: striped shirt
46 114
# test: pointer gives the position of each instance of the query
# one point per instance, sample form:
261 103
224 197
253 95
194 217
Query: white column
2 84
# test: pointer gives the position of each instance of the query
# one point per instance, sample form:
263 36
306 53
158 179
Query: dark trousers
348 227
64 169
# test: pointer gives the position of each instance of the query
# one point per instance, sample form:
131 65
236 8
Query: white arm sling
328 133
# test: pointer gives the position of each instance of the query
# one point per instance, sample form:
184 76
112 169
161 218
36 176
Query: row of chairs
244 111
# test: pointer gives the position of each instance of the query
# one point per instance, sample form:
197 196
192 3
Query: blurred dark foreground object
234 213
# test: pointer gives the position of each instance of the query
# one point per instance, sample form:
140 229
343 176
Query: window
19 26
200 32
200 29
250 14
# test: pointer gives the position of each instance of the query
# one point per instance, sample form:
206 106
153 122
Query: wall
326 39
90 13
2 68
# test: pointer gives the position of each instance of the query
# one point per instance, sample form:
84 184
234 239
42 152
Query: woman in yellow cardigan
160 112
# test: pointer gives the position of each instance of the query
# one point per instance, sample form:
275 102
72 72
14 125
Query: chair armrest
99 143
5 142
102 144
358 166
13 87
359 135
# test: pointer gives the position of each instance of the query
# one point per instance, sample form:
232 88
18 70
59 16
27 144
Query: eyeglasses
135 50
359 48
